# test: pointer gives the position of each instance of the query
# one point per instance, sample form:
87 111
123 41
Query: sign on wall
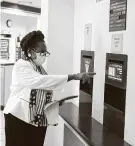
87 36
4 49
118 13
117 43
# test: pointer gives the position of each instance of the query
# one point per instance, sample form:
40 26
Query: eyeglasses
42 54
45 54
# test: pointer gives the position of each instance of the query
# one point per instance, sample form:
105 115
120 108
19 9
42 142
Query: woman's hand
85 77
61 103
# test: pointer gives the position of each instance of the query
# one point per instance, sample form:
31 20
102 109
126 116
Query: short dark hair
30 40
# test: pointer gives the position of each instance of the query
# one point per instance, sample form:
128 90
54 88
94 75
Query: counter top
7 62
88 128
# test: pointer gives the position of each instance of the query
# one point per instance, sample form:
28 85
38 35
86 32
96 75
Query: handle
68 98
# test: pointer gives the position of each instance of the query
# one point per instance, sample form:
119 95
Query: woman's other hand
61 103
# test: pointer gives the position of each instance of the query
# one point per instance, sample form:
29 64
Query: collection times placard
118 14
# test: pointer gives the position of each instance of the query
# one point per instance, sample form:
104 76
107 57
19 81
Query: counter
91 131
5 82
6 62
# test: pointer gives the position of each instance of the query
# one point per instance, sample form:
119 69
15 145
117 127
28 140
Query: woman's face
39 53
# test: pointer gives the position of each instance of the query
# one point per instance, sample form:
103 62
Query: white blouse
25 78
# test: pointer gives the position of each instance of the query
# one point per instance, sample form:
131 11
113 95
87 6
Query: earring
29 55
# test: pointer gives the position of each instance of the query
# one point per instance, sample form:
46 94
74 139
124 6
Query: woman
31 90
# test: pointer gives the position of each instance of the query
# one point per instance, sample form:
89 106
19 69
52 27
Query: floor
2 134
